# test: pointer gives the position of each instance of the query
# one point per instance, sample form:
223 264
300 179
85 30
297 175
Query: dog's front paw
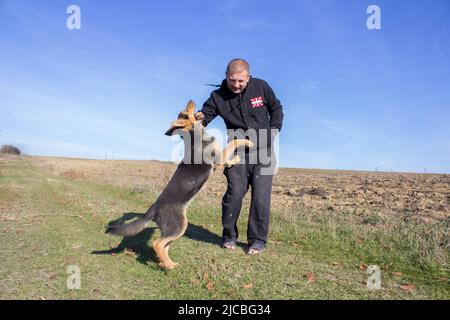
233 161
249 144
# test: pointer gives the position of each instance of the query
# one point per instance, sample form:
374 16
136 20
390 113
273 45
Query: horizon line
279 167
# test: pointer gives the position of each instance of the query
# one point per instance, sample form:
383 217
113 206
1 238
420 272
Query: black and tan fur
169 210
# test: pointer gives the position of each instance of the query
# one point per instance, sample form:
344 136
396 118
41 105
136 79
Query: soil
425 197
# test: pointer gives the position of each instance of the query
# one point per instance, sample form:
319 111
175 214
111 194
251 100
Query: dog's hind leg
162 244
161 247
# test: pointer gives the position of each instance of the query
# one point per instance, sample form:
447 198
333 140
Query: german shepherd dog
169 210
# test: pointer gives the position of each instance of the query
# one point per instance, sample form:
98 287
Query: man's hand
199 116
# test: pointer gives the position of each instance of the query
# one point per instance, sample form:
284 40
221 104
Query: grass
49 222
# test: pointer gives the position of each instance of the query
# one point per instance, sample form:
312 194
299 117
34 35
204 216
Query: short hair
237 65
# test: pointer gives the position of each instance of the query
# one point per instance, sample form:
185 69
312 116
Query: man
246 104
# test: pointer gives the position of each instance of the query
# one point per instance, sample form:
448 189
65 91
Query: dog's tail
134 227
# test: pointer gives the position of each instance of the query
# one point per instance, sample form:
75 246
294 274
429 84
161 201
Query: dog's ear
190 110
190 107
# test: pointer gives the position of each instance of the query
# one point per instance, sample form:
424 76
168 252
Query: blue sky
353 98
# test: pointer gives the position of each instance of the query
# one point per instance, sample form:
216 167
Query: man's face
237 81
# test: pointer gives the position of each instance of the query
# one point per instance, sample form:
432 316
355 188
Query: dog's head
186 120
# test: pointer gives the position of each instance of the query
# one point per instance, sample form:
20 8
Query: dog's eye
183 116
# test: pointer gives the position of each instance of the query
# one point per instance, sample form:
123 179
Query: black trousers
239 178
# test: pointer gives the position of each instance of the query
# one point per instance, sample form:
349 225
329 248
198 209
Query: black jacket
256 107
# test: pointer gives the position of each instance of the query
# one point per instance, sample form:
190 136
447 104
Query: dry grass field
326 228
424 197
